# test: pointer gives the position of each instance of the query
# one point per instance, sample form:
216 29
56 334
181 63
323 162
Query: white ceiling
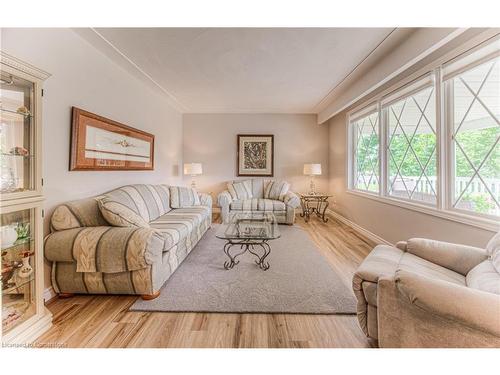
273 70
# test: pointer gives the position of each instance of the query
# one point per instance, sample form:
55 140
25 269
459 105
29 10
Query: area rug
300 280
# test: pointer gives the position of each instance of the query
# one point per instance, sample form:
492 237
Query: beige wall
389 222
83 77
211 140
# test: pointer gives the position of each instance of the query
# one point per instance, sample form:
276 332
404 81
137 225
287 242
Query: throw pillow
240 189
276 190
119 215
181 197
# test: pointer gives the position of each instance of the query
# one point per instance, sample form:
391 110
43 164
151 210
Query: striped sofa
91 256
283 208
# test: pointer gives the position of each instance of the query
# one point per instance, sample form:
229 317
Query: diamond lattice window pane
476 102
366 153
412 147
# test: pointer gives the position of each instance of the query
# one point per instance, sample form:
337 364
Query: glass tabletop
250 226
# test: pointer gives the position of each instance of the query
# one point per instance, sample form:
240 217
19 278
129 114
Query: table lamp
193 170
312 170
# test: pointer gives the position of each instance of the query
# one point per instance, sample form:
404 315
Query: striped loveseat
127 241
259 195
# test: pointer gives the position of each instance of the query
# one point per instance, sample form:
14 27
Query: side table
314 204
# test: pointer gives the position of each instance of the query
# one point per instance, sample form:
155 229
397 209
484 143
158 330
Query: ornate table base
314 204
249 245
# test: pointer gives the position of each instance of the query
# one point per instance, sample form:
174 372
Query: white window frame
385 102
441 71
367 110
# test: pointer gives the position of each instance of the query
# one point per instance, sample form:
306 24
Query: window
366 152
412 147
450 114
475 111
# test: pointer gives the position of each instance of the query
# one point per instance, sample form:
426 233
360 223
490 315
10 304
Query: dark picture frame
255 156
98 143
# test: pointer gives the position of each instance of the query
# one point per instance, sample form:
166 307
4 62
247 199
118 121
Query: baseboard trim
358 228
48 294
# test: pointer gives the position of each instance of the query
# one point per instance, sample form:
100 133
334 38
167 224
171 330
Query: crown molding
99 42
23 66
338 100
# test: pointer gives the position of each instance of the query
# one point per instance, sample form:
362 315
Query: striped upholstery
292 200
240 189
147 201
276 190
283 208
105 249
89 256
79 213
119 215
257 204
181 197
182 223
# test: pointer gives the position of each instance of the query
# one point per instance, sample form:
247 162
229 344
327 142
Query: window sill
479 222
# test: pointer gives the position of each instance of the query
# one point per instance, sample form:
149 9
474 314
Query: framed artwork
98 143
255 155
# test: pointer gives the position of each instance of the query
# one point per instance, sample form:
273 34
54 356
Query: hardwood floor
104 321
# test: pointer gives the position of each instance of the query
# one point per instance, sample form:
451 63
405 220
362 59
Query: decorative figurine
18 150
23 111
26 270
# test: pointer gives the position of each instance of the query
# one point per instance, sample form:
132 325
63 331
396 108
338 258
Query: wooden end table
314 204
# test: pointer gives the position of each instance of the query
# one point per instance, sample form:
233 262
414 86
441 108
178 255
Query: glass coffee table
249 232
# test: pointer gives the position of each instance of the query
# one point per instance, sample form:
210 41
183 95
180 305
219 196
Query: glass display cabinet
24 316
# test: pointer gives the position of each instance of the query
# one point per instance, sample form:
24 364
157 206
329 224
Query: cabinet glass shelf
16 288
12 112
15 155
19 243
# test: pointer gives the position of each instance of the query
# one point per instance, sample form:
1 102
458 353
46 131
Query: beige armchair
426 293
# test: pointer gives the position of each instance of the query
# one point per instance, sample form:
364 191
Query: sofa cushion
148 201
257 204
178 224
240 189
181 197
75 214
484 277
276 190
119 215
420 266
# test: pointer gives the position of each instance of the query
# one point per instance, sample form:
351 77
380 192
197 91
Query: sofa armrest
105 248
205 199
291 199
224 198
459 258
471 307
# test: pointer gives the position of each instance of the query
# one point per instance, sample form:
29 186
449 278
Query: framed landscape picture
98 143
255 155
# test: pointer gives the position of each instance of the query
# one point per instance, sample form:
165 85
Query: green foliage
482 202
476 143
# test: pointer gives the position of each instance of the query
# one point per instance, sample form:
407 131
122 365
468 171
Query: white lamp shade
312 169
193 169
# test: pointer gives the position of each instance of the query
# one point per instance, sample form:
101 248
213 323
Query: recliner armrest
224 198
459 258
471 307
